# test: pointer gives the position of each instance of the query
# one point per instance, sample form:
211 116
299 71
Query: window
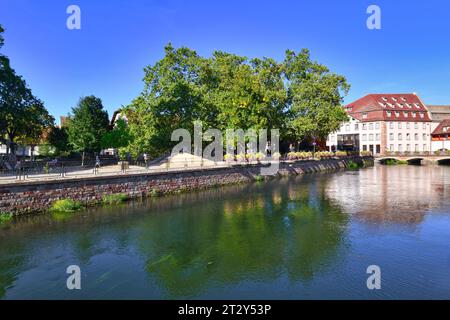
364 126
424 126
347 127
408 105
405 114
364 137
364 147
388 113
371 137
416 148
403 98
399 136
425 147
407 125
416 136
399 125
417 105
384 98
407 148
377 125
413 114
382 104
397 114
400 149
364 115
421 114
391 125
424 137
400 105
349 109
377 137
356 127
371 126
391 147
416 125
393 98
391 136
408 136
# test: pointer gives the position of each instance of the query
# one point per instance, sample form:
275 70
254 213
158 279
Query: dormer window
390 105
413 114
397 114
403 99
349 109
395 99
417 105
384 99
421 114
388 113
405 114
364 115
408 105
382 104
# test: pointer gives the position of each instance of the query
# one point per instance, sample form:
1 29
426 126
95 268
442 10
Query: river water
308 237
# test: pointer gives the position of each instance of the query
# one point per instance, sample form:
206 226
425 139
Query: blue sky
411 53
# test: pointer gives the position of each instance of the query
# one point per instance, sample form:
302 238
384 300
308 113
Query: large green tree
300 97
315 97
23 117
86 125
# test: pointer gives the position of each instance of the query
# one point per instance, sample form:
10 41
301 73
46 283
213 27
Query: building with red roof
381 123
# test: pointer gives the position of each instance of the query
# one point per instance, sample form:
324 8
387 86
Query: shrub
353 165
259 156
5 217
259 178
114 198
65 205
276 155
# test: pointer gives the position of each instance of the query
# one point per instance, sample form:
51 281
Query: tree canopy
87 124
300 97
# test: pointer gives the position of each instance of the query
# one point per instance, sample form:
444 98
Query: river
306 237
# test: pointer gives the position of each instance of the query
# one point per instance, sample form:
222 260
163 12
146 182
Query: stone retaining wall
30 197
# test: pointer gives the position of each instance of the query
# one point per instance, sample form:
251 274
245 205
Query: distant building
440 137
439 113
382 123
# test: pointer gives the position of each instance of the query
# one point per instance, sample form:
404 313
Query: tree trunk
82 159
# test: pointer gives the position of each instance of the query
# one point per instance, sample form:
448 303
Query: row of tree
300 97
25 121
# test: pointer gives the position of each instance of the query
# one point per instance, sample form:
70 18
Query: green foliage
87 124
114 198
118 138
66 205
298 96
393 162
155 193
56 143
259 178
353 165
5 217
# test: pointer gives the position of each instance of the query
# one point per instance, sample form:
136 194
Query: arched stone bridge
416 159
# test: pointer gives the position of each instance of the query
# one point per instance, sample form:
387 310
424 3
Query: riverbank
38 196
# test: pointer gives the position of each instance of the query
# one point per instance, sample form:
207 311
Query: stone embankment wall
37 196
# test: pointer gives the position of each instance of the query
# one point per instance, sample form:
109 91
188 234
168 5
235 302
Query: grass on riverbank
5 217
354 165
65 205
393 162
114 198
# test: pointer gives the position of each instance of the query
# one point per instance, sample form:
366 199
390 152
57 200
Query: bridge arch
443 161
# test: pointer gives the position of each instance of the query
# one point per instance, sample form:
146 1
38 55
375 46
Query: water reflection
401 194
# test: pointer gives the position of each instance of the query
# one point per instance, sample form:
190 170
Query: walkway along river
310 236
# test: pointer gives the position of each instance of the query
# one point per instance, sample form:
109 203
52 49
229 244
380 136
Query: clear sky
411 53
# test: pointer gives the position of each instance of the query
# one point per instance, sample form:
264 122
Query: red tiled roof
377 106
440 128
